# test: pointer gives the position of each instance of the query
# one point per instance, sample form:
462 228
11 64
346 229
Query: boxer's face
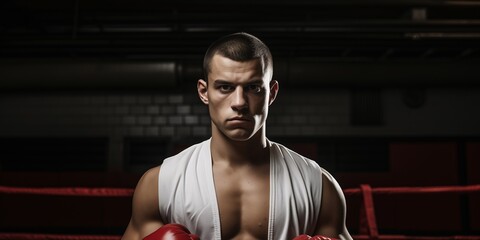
238 95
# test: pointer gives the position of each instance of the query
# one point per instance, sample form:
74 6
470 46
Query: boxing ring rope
86 192
368 224
32 236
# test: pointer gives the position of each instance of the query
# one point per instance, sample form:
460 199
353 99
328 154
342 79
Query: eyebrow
221 82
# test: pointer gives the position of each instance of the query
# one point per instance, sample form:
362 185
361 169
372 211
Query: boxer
237 184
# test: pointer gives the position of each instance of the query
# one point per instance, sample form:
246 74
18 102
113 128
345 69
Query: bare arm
333 210
145 213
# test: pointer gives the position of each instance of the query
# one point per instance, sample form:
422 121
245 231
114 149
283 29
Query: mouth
243 119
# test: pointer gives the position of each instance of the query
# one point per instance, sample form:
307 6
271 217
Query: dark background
384 93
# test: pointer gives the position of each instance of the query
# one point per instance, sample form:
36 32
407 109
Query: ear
273 91
202 90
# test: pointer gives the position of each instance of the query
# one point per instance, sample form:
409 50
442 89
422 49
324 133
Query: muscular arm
145 214
333 210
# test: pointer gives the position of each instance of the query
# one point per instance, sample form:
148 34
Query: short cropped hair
240 47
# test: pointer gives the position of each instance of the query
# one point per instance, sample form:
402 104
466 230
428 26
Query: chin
239 135
239 138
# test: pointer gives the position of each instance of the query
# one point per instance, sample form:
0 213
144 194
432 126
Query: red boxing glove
172 231
316 237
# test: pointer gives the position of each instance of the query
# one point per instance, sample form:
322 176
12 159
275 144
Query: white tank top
187 193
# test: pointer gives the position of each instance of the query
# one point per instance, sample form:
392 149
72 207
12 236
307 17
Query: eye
225 88
254 88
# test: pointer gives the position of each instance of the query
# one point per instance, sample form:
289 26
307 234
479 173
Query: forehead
223 67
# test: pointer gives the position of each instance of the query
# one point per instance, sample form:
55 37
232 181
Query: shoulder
150 175
147 184
333 211
291 155
187 153
184 166
145 217
331 187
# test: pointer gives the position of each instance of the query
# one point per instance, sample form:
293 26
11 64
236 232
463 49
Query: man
237 184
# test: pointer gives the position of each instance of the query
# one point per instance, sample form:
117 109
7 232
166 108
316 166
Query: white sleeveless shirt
187 192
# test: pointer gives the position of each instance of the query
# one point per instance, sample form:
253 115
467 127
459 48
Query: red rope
408 190
366 191
27 236
36 236
127 192
369 210
89 192
403 237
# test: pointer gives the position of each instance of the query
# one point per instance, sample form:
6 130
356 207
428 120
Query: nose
239 101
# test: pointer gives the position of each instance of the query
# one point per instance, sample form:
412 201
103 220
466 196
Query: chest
243 197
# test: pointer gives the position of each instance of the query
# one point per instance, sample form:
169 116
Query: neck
253 151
